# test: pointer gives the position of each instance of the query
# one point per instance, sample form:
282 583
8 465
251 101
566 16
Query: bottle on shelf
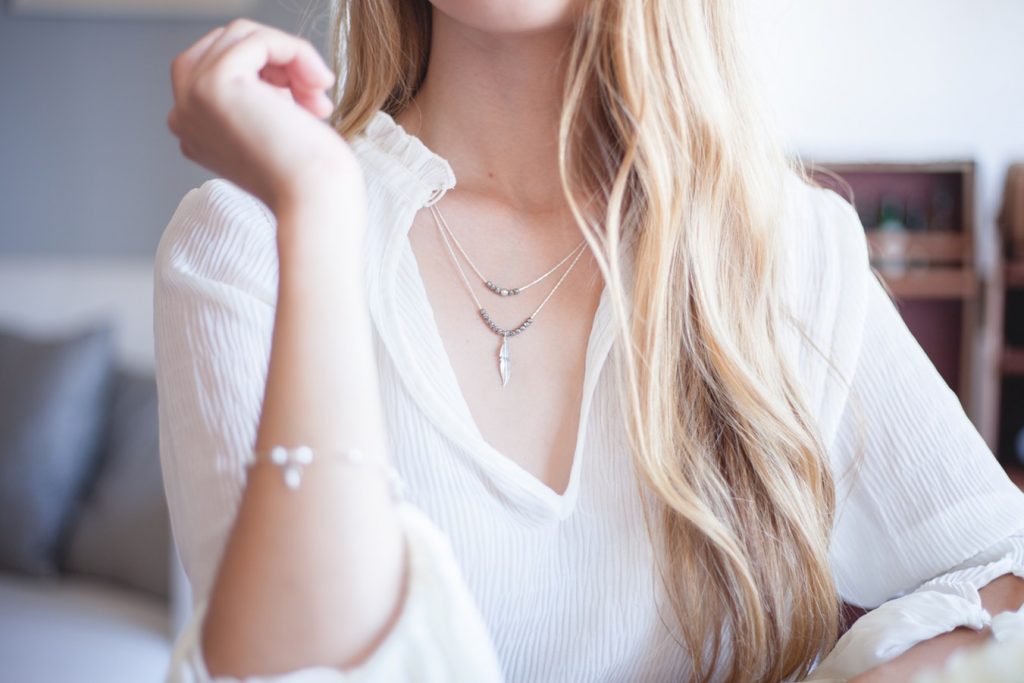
916 218
891 213
892 259
868 213
941 211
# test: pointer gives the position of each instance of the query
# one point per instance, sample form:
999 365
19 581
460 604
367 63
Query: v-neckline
437 357
412 335
428 351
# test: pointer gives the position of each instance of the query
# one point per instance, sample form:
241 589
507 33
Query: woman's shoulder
398 167
821 229
825 276
824 251
221 233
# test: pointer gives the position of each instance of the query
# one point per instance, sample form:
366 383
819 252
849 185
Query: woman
655 417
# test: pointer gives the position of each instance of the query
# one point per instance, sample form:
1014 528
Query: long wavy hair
661 115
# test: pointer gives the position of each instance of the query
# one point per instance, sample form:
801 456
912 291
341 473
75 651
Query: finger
278 78
275 74
172 121
313 99
186 150
317 103
184 63
281 76
267 46
197 48
235 30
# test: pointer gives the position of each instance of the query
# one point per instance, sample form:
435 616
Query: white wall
915 80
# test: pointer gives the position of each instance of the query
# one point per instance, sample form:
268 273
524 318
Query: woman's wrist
320 248
329 177
322 215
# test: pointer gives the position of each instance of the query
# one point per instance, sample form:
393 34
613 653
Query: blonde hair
659 114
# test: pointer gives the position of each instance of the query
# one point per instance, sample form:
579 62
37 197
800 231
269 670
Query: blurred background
914 111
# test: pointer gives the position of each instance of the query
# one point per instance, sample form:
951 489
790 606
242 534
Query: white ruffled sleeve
215 288
925 514
439 635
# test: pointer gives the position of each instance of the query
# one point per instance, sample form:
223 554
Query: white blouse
511 581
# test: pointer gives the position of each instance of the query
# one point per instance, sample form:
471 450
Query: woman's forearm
312 576
1003 594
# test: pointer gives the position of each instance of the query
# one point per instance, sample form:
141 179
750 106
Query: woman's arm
214 290
314 576
926 517
1004 594
263 338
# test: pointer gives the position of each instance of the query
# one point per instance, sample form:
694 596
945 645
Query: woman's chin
503 17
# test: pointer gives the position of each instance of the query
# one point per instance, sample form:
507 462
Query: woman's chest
568 593
520 368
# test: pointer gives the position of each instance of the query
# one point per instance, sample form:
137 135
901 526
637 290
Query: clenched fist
250 104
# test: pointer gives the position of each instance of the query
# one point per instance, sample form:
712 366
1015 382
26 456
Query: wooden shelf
1014 274
931 283
884 166
909 247
1013 361
930 268
1016 474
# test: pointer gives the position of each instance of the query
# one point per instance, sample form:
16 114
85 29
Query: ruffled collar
426 174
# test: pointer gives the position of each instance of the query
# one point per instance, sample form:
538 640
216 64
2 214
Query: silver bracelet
292 460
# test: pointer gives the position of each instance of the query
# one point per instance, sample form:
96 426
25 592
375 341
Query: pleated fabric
510 580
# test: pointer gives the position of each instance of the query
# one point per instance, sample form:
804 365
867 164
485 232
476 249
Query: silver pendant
503 360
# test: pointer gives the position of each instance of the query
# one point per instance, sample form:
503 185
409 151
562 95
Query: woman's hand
249 104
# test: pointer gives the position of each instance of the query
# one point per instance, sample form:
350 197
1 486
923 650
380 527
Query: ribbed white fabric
512 581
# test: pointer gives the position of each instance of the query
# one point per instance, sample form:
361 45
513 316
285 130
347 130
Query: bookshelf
922 237
1008 307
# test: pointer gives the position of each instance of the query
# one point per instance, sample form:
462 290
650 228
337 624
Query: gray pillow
122 530
53 405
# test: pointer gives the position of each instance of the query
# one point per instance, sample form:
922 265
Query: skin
1003 593
508 213
249 106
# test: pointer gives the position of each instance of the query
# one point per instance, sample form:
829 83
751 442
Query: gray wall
87 165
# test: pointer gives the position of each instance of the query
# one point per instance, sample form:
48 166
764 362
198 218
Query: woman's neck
490 104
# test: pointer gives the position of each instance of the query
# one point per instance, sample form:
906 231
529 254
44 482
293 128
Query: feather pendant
503 361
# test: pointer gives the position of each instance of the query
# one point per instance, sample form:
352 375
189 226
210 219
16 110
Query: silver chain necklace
503 356
502 291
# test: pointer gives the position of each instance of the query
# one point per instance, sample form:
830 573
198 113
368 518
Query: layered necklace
504 362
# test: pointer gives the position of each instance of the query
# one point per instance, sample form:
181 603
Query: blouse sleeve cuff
938 606
438 636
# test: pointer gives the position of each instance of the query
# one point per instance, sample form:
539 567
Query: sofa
91 588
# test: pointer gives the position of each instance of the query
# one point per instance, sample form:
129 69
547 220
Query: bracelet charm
293 461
